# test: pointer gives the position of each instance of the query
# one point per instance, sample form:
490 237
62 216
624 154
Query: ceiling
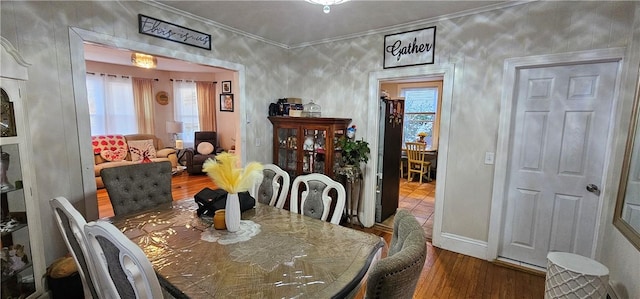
291 24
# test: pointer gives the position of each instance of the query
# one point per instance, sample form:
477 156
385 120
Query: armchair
205 145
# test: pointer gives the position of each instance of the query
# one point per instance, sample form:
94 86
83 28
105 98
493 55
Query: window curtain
111 107
186 109
206 105
143 101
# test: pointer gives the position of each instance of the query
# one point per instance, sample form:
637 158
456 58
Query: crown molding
383 30
213 23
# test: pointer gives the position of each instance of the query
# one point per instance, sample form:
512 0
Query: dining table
275 254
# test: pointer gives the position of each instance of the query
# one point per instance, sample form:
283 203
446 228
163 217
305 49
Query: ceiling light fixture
327 3
144 60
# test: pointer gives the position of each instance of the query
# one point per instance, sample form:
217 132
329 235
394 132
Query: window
421 111
186 109
111 107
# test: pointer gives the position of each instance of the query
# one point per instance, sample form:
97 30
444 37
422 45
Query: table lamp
174 128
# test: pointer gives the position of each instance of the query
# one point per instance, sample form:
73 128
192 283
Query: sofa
119 150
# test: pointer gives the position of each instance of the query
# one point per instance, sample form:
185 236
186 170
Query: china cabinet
21 252
303 145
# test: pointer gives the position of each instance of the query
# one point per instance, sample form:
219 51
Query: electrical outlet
489 158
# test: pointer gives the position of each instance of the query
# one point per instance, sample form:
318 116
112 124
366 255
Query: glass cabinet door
288 149
314 149
15 253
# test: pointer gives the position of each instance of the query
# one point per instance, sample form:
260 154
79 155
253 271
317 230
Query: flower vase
232 212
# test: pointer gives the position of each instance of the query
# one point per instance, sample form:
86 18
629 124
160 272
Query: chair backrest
315 201
138 187
71 224
123 268
396 276
415 151
205 136
274 186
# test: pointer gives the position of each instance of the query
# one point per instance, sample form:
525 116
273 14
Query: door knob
593 189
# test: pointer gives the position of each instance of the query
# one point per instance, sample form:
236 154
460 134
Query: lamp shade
174 127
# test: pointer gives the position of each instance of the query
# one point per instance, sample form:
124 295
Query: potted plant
353 151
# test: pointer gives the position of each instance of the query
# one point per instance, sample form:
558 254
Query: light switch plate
489 158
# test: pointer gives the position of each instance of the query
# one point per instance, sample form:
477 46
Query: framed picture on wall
226 102
226 86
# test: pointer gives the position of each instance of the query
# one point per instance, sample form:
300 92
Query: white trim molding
440 71
510 72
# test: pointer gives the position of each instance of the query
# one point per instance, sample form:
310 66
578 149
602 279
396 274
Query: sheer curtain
143 102
206 105
186 109
111 107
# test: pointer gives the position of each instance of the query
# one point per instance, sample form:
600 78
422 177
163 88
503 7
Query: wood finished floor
445 274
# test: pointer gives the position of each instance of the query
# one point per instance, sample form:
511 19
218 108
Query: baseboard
463 245
524 267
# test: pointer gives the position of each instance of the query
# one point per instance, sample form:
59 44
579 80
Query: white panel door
557 148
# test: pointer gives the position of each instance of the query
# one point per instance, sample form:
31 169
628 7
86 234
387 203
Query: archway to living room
78 38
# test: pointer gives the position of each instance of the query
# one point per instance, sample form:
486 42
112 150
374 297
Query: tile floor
420 200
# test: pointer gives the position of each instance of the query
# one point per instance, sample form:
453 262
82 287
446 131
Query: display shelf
21 252
303 145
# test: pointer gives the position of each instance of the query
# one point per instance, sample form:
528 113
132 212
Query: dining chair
274 186
71 224
123 268
138 187
416 160
396 275
314 200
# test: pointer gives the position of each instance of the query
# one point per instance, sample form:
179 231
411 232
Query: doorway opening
421 99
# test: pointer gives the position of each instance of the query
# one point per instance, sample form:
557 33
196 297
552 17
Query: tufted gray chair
396 276
315 201
138 187
273 188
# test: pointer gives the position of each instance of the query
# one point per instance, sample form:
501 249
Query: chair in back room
205 146
416 160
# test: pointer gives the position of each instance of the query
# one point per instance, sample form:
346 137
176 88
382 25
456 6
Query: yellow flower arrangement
422 134
225 173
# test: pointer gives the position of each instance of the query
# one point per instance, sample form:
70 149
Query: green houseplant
353 151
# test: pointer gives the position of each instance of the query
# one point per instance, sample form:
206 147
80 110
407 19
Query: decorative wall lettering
409 48
176 33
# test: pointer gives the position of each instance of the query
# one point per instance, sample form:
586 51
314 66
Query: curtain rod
123 76
180 80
